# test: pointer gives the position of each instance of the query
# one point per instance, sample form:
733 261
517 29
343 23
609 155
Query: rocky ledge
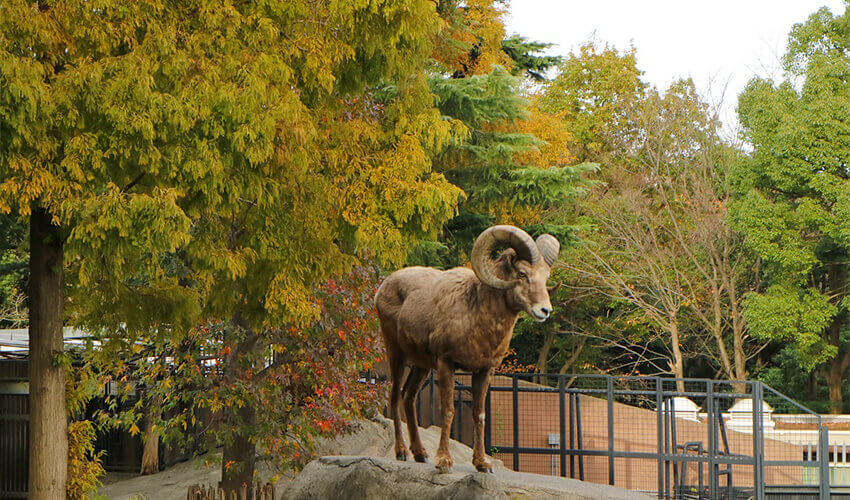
357 477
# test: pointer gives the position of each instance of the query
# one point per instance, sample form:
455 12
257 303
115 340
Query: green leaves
799 316
795 190
773 231
548 187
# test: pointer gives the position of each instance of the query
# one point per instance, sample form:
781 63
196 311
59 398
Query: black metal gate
14 428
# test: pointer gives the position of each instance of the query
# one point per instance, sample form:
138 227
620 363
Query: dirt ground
371 438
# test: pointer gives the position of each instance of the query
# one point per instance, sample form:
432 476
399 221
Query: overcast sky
720 44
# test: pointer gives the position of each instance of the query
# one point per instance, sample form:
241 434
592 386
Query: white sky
720 43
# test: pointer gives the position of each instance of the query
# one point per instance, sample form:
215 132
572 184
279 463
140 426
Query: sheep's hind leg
445 378
411 390
396 372
480 383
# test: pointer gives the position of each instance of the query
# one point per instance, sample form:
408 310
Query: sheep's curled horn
545 248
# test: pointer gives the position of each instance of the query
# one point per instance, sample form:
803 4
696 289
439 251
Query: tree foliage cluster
208 186
699 254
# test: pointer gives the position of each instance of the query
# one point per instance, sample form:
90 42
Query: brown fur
446 320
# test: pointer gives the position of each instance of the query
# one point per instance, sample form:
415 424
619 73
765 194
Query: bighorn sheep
460 318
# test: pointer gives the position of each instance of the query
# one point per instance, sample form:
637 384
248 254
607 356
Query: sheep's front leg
445 379
480 384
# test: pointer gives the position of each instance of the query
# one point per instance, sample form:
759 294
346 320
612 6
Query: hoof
419 455
444 464
484 466
401 455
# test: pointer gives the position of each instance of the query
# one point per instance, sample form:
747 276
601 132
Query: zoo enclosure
123 451
642 434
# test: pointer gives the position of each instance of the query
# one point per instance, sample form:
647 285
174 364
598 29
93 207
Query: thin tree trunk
568 365
677 363
150 455
838 365
717 332
837 368
739 357
835 379
543 356
48 424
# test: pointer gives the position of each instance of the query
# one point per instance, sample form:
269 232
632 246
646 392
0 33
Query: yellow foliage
551 129
470 42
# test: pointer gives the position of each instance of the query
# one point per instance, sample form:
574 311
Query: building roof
15 341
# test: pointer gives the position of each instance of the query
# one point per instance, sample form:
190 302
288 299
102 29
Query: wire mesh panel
673 438
796 451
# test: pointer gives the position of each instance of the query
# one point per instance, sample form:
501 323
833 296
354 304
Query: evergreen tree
526 57
498 166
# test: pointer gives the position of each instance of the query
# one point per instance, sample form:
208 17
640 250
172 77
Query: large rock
375 438
356 477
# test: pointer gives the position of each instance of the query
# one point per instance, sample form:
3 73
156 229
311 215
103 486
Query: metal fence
123 451
674 438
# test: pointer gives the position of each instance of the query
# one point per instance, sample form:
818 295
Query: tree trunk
728 277
568 365
738 354
834 380
838 365
238 457
836 371
677 363
150 455
543 356
48 424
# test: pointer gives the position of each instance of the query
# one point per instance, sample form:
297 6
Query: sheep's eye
522 275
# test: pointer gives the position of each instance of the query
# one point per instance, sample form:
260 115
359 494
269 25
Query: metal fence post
823 462
659 424
562 443
579 438
431 397
488 425
712 441
572 433
459 419
610 389
758 440
515 386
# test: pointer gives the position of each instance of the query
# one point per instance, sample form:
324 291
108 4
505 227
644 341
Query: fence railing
674 438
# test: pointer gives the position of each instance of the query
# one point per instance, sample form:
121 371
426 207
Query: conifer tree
495 165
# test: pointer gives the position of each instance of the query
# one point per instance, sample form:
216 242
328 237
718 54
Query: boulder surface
359 477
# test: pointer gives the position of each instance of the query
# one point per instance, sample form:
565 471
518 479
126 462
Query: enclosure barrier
258 492
673 438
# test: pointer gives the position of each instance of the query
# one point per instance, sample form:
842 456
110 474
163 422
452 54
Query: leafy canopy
795 208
